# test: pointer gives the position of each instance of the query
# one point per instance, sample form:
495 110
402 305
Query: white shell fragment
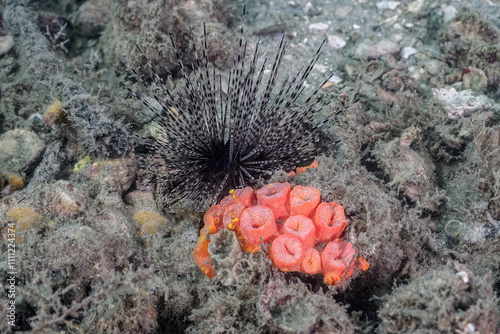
407 52
333 81
463 276
469 329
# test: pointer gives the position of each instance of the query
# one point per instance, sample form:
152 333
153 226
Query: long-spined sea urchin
209 141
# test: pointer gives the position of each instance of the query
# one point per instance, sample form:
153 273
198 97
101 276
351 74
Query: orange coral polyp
276 196
252 217
302 228
232 214
311 264
246 196
301 170
330 221
363 264
336 259
258 222
287 252
213 218
304 200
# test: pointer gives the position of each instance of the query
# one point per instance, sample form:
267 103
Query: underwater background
410 149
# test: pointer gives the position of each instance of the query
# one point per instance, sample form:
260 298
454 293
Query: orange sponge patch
287 252
202 257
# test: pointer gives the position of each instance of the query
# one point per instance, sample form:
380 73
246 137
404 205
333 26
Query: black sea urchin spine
209 141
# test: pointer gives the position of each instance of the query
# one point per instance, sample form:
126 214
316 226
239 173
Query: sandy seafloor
417 169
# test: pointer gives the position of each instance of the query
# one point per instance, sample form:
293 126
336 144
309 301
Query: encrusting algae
82 164
54 114
25 218
151 222
304 234
15 181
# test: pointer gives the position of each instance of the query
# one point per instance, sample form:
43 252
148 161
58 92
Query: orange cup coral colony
304 234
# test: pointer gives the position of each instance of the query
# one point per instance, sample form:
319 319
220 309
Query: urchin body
209 141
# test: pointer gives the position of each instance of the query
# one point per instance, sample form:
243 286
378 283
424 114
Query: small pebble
377 50
321 68
462 104
336 42
449 12
343 11
391 5
415 72
390 20
397 38
115 175
318 26
64 199
415 7
19 149
141 200
93 16
474 78
433 66
6 43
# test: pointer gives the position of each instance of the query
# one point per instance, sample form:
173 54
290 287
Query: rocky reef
85 247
